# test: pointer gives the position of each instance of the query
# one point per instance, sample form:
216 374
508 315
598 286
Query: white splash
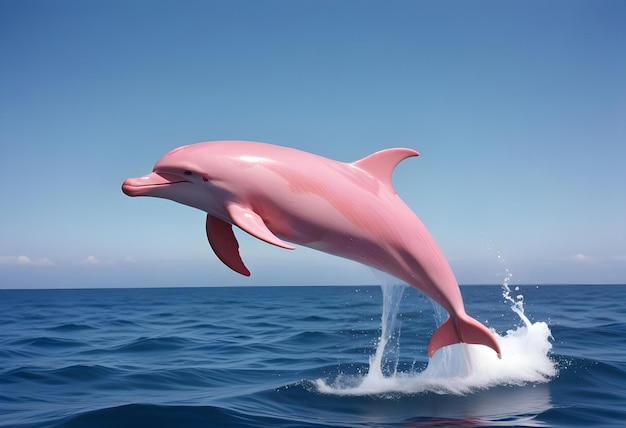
386 352
458 369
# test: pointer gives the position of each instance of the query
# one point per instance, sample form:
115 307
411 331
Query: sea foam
457 369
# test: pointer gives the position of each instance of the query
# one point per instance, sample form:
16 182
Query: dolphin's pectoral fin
381 164
224 243
251 222
469 331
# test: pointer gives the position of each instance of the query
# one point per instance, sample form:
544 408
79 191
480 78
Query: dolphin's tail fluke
462 330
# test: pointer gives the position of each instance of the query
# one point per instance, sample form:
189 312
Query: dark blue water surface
256 357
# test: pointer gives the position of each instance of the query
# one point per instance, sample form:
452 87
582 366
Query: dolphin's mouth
142 186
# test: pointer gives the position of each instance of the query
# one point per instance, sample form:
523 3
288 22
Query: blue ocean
309 357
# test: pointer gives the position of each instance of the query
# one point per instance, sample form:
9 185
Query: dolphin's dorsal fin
224 244
381 164
251 222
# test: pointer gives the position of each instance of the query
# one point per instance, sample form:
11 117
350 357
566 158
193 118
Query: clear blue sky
517 108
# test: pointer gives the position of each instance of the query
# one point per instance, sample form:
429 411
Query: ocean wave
46 342
81 372
135 415
71 327
155 344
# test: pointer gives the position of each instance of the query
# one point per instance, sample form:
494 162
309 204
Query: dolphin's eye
188 172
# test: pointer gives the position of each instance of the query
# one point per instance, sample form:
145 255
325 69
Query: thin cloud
25 261
91 260
129 259
578 257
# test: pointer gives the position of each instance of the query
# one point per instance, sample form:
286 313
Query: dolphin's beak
143 186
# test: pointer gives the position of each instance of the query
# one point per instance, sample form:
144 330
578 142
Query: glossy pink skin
347 209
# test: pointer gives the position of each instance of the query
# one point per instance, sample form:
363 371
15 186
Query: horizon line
294 286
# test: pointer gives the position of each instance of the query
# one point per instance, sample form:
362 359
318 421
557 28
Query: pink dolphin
283 195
